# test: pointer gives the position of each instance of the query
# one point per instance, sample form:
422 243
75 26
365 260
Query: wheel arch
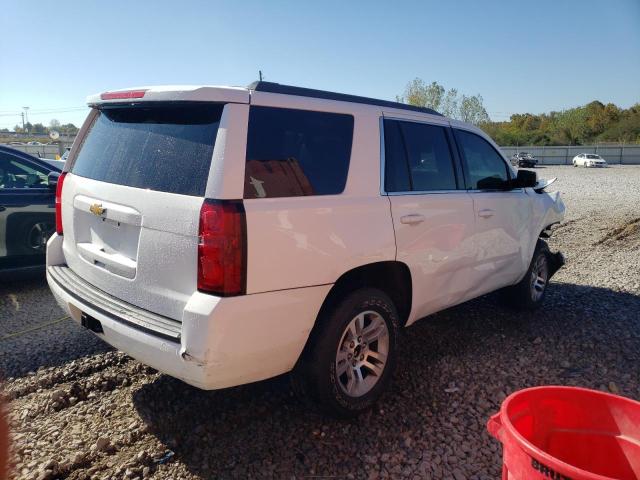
392 277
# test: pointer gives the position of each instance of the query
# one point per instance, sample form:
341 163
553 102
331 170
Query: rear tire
351 355
529 293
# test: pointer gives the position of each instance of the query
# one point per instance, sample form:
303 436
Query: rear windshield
157 147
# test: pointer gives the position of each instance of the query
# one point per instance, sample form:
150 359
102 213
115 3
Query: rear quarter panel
303 241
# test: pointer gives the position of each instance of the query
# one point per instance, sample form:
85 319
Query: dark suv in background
523 159
27 210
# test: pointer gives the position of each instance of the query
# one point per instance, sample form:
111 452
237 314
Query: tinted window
159 147
16 173
485 168
430 162
417 157
396 176
296 152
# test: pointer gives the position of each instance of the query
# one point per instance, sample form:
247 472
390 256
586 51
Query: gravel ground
90 412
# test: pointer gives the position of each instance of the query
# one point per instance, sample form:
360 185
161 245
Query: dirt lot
80 410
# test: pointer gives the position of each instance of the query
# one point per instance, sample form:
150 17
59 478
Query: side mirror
526 179
52 180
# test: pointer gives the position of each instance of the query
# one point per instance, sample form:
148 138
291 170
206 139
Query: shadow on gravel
34 332
454 370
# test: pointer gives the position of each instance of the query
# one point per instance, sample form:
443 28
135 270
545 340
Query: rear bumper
223 341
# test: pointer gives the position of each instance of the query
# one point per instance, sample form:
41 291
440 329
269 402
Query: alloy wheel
539 277
362 353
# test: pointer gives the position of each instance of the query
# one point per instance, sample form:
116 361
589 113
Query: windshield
165 147
594 157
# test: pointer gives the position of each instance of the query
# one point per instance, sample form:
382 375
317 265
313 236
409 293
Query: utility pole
22 115
260 74
26 114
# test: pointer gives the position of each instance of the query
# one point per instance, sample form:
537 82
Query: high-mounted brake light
126 94
222 249
58 203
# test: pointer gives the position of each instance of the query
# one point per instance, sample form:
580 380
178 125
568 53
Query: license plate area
107 235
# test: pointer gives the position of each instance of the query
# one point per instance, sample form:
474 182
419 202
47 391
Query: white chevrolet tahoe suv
228 235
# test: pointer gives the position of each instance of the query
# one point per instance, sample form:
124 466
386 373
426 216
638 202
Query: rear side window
165 147
396 167
296 152
485 168
417 158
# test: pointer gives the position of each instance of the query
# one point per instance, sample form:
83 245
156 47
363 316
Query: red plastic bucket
572 433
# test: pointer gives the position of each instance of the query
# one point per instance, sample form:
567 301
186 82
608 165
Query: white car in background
589 160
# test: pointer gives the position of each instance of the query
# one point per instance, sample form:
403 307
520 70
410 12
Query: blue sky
521 56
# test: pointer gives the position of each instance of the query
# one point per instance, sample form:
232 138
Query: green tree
418 93
472 110
69 128
593 122
448 102
38 128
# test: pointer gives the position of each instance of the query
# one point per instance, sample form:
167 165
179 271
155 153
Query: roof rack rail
271 87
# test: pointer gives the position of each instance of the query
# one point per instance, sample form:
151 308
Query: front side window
417 158
294 153
485 169
16 173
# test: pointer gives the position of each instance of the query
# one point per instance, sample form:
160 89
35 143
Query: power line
44 111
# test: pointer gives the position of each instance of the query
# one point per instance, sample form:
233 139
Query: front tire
529 293
351 356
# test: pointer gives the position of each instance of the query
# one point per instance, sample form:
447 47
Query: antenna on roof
260 74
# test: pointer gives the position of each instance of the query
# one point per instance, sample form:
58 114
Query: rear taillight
59 203
222 249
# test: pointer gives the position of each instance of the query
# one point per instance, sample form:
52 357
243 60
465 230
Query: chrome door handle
412 219
486 213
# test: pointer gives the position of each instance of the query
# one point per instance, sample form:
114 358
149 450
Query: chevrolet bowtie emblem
97 209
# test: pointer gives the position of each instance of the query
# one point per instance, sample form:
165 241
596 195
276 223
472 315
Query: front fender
548 209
